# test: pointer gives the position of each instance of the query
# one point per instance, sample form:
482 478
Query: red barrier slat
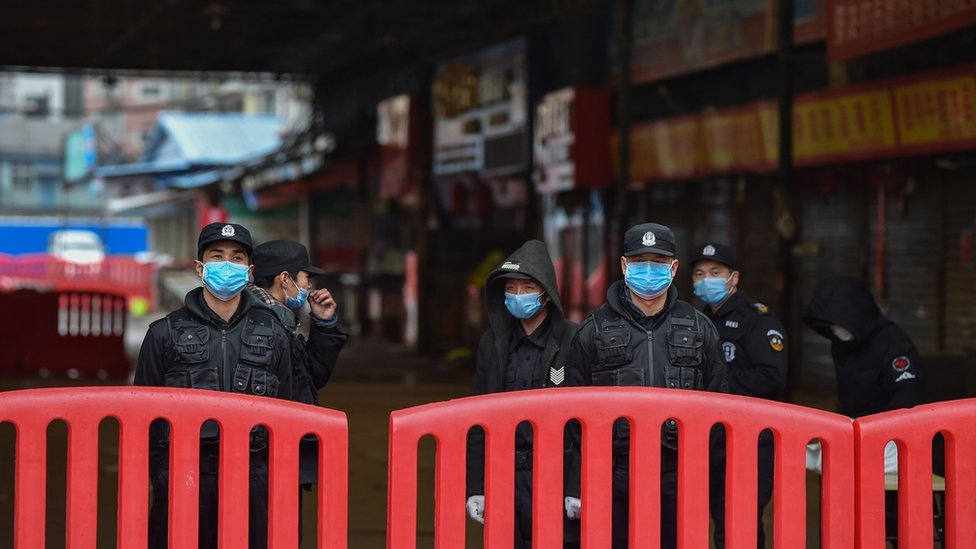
693 473
133 482
184 483
235 487
645 488
596 479
30 484
333 491
401 507
283 490
960 501
790 495
499 489
82 478
741 483
449 491
547 485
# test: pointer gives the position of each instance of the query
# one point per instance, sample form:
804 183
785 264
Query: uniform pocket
191 342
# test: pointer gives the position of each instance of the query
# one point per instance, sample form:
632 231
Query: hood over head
846 302
530 260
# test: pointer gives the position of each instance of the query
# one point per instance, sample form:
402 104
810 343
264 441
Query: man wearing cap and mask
754 348
525 347
219 341
283 281
644 336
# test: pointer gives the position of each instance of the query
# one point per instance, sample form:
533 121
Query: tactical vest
617 363
194 368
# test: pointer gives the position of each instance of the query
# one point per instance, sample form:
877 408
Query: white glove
572 507
476 508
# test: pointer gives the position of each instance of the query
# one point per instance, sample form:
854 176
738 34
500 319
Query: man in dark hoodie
221 340
644 336
877 365
525 348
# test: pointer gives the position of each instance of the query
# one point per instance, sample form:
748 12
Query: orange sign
733 139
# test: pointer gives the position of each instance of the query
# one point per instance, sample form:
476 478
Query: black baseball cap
649 238
274 256
716 252
215 232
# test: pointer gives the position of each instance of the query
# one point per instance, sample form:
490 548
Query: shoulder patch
901 364
776 340
760 308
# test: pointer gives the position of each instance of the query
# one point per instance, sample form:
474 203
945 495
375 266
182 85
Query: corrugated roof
220 138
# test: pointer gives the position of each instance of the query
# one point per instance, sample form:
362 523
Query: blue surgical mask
298 301
648 279
712 290
225 279
523 306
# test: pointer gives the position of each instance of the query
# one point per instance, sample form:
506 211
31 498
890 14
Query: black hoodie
879 369
531 259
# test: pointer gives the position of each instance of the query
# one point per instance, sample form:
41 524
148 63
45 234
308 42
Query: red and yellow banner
932 113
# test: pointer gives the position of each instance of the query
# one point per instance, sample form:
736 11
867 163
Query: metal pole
625 10
786 223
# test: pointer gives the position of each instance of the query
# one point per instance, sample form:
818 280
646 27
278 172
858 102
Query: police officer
283 281
524 348
612 346
754 347
222 339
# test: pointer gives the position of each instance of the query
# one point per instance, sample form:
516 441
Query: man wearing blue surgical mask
283 276
525 348
222 339
754 348
645 336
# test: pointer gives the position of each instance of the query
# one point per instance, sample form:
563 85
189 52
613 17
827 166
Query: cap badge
228 230
648 239
709 250
510 266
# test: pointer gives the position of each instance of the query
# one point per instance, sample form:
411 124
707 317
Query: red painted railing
84 408
647 409
120 275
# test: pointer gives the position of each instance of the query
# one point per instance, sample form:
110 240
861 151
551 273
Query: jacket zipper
223 360
650 359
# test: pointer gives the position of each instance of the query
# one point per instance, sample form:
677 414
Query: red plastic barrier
121 275
83 408
597 408
913 430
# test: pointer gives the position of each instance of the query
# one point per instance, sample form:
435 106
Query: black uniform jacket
880 369
216 365
754 347
492 369
584 353
315 359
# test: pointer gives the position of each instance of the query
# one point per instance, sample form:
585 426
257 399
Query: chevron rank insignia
557 375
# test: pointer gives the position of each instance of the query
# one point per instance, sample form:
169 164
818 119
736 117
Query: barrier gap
259 444
309 494
814 493
767 467
108 482
57 464
474 533
938 496
718 472
8 436
524 436
426 450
